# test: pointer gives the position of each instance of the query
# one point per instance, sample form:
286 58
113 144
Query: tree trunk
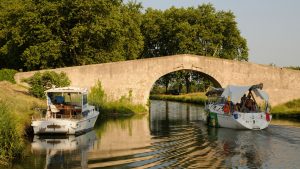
187 82
166 87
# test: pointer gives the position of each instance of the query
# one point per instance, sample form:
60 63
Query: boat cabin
66 102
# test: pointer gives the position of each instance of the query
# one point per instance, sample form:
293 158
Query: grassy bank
198 98
290 109
16 109
122 107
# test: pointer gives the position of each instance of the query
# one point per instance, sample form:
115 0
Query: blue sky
271 27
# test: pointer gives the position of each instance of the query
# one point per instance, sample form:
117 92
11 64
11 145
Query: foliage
198 98
294 67
8 75
40 82
288 109
123 106
97 95
183 81
55 33
202 31
165 81
11 143
16 109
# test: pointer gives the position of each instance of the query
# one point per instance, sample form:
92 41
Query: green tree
201 31
55 33
165 81
184 81
40 82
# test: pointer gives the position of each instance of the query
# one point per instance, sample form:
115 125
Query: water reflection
164 113
173 135
123 141
286 122
64 151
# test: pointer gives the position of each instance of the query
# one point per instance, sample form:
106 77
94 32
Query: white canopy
236 93
67 90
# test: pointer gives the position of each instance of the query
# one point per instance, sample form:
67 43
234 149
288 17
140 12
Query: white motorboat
68 112
237 107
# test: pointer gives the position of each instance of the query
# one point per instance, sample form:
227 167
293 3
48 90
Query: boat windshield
73 99
65 104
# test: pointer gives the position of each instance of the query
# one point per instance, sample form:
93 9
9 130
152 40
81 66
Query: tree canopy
202 31
40 34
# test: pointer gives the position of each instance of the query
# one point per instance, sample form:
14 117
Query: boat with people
68 112
238 107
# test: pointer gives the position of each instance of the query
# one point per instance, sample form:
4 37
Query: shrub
123 106
8 75
96 95
40 82
11 143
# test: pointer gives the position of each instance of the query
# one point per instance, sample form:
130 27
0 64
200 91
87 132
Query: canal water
172 135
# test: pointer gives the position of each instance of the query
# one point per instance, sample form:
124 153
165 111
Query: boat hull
65 126
238 120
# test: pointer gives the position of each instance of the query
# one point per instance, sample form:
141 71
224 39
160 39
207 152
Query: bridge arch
202 74
138 76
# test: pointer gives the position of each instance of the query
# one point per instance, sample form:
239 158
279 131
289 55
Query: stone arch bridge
138 76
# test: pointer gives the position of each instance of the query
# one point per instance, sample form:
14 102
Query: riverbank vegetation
40 82
293 67
197 98
8 75
16 109
121 107
290 109
11 142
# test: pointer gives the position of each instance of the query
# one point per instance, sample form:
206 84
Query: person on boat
226 108
237 107
243 99
249 103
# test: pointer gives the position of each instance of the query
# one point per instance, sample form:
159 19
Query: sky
271 27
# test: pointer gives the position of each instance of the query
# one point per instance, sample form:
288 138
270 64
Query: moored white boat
231 110
67 112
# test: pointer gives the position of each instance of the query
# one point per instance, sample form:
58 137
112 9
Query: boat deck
61 111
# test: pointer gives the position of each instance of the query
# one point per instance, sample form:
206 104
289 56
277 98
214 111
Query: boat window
73 99
56 98
84 99
59 99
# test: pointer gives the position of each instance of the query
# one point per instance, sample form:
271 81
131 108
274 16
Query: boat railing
56 116
68 113
66 116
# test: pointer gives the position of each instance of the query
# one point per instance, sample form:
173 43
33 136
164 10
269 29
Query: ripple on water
172 136
184 146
